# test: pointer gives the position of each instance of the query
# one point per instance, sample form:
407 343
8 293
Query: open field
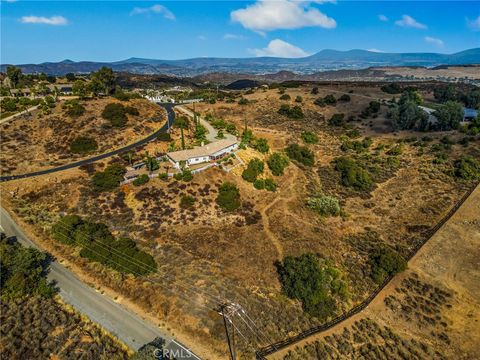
428 312
36 142
207 256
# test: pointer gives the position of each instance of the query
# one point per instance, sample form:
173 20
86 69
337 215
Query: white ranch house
202 154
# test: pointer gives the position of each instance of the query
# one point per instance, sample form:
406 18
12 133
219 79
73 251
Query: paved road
18 114
127 326
170 118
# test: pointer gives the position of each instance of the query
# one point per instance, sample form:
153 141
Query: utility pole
228 311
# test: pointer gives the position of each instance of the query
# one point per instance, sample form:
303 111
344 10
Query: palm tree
182 123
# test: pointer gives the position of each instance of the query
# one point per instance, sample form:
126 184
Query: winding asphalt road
121 322
170 118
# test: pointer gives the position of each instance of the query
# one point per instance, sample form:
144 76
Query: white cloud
474 24
434 41
267 15
53 20
408 21
233 37
155 9
375 50
382 17
279 48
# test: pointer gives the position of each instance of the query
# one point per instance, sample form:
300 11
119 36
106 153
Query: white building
203 154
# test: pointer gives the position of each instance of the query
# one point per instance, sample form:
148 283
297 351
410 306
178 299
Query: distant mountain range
321 61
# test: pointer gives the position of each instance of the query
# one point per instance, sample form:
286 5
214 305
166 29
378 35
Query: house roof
207 150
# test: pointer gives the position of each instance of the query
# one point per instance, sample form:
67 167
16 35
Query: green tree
277 163
261 145
353 174
109 179
254 168
317 284
467 168
70 77
449 115
182 123
324 205
104 78
14 74
79 89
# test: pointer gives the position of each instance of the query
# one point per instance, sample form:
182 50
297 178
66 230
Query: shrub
270 185
324 205
187 175
164 136
187 201
83 145
228 196
261 144
254 168
320 102
163 176
314 91
109 179
372 108
259 184
298 99
386 261
130 110
302 154
285 97
396 150
294 112
344 98
116 114
141 180
330 100
337 120
309 137
277 163
317 284
74 108
243 101
353 174
467 168
392 88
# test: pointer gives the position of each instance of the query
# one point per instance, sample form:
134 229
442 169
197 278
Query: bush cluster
302 154
228 196
73 108
254 168
261 144
385 261
141 180
467 168
83 145
353 174
23 271
277 163
108 179
313 281
324 205
187 201
294 112
309 137
117 114
98 244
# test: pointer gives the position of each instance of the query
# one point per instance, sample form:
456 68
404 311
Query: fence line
272 348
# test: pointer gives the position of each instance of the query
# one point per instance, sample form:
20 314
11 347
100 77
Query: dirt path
266 220
450 257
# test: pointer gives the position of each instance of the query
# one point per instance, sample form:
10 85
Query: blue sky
38 31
